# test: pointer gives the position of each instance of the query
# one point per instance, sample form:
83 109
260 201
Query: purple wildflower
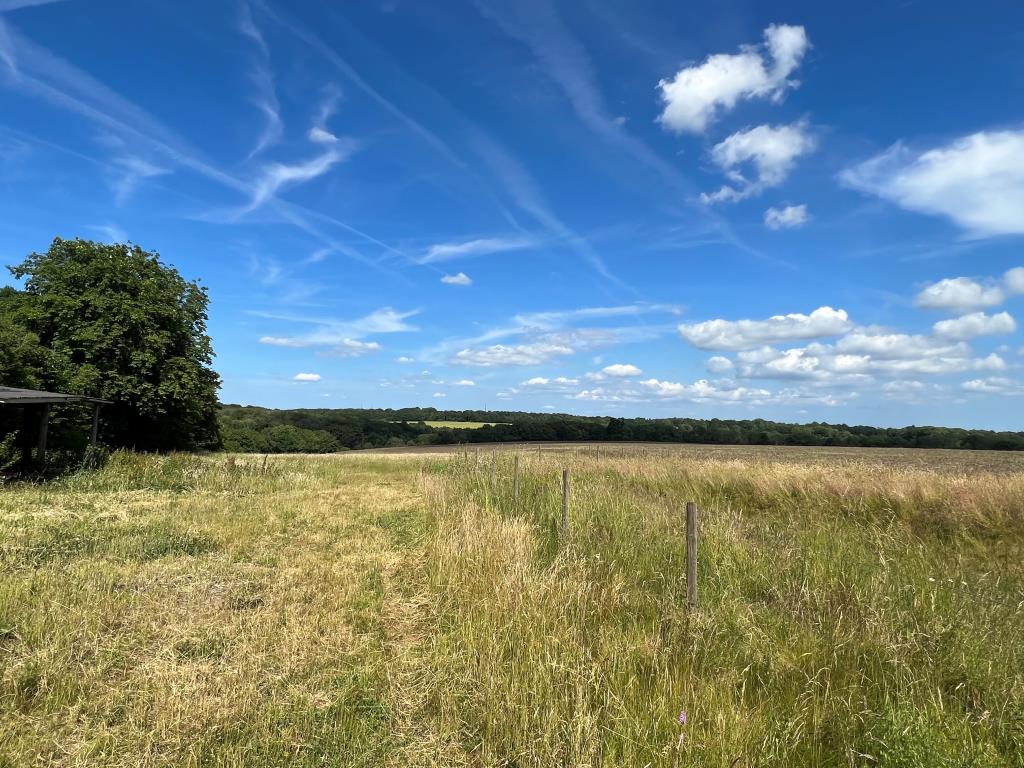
682 717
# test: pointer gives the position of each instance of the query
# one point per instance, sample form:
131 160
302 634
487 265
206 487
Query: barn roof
15 396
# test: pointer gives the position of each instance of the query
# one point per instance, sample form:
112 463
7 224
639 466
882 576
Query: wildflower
682 717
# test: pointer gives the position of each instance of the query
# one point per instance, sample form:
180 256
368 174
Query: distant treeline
257 430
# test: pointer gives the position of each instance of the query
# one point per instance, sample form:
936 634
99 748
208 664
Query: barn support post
44 428
28 423
94 432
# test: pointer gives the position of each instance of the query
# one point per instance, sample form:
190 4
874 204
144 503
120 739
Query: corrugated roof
15 396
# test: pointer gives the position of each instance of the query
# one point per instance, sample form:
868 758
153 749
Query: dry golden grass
406 610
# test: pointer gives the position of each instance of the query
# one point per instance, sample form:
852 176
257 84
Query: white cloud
745 334
354 348
697 94
977 181
858 357
460 279
561 318
320 135
621 369
790 217
481 247
703 390
129 171
959 293
341 334
518 354
404 360
893 346
962 294
465 383
1014 280
772 150
556 384
719 364
265 98
975 324
306 377
994 385
112 232
440 394
275 176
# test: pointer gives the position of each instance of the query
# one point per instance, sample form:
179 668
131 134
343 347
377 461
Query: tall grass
408 611
852 616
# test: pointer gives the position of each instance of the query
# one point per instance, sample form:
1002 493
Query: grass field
861 610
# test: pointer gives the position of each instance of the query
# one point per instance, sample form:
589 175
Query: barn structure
35 405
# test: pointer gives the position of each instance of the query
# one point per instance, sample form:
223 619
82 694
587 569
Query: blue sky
778 210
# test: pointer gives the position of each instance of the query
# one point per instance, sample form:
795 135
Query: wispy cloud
38 72
319 132
470 248
265 96
110 232
275 176
13 5
340 337
128 172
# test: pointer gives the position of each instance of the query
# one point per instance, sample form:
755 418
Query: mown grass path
199 612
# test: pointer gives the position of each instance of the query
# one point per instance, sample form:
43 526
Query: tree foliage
113 321
380 428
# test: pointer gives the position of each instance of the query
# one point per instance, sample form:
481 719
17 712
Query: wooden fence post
691 555
515 481
565 503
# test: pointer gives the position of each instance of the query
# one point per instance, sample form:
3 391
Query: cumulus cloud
459 279
976 181
465 383
975 324
621 369
354 348
703 390
994 385
404 360
440 394
771 150
745 334
719 364
865 357
962 294
469 248
306 377
1014 280
698 94
959 293
790 217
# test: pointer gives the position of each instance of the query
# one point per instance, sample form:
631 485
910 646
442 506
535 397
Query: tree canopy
115 322
251 428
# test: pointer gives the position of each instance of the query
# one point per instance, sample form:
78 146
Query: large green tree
121 325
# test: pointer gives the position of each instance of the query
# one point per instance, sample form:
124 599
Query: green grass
406 610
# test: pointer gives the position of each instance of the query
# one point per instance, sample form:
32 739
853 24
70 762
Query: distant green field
462 424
